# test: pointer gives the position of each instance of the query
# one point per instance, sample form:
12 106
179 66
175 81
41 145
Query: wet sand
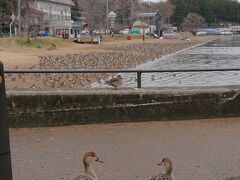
199 149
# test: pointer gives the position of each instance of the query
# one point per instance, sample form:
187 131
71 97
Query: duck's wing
156 177
161 177
82 177
112 81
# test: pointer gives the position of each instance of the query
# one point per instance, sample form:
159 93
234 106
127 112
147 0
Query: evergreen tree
214 11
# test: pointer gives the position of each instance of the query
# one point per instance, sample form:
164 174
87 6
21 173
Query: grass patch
39 42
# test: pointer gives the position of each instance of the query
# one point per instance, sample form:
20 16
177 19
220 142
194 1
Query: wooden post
5 156
139 79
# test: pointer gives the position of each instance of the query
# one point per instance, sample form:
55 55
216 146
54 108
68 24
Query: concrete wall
53 108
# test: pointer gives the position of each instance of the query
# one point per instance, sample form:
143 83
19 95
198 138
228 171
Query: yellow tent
140 24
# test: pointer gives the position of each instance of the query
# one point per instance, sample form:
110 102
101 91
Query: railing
138 72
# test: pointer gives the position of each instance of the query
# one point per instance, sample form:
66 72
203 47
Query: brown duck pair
91 157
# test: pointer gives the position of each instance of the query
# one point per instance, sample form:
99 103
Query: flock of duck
90 157
122 57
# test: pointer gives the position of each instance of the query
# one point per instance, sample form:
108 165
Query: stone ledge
68 107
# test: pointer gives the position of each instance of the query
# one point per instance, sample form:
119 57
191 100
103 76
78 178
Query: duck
166 163
115 82
88 159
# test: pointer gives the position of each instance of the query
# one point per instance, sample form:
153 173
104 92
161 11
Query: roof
79 24
65 2
147 14
140 24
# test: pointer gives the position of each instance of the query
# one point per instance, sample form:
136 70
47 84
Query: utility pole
107 16
19 17
132 11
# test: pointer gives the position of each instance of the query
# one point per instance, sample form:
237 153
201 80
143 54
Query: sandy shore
109 55
200 150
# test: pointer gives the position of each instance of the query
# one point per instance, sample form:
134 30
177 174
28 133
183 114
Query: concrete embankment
53 108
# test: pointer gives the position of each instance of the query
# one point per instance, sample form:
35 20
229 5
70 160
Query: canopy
140 24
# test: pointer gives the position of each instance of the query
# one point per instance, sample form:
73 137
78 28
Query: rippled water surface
221 53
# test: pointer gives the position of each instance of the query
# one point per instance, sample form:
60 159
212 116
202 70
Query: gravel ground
199 149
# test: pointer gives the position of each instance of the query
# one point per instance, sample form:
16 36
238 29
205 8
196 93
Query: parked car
170 35
124 31
226 33
85 32
201 33
96 32
43 33
116 32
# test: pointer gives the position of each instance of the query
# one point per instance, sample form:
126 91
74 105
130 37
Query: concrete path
199 149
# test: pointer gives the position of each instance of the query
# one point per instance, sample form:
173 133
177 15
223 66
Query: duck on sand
88 159
166 163
115 82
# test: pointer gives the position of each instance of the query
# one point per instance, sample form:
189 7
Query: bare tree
193 21
31 18
127 11
95 11
166 9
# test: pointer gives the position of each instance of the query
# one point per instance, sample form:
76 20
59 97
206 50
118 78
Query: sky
160 0
153 0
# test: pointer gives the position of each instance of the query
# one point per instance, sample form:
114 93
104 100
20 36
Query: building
148 17
57 15
154 20
77 26
235 29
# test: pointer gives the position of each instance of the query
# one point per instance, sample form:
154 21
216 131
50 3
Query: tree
165 8
7 8
30 18
214 11
126 11
95 11
193 21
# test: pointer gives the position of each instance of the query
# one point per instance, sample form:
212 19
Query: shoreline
122 56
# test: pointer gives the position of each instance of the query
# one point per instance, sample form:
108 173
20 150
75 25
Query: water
221 53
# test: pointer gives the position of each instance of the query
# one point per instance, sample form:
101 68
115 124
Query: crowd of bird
90 157
123 57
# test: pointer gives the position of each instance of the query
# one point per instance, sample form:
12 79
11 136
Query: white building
235 29
57 15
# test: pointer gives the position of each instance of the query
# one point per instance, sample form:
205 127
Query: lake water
221 53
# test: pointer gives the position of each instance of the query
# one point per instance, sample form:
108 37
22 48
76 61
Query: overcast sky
162 0
153 0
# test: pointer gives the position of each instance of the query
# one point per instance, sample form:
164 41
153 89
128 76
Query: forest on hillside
214 11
